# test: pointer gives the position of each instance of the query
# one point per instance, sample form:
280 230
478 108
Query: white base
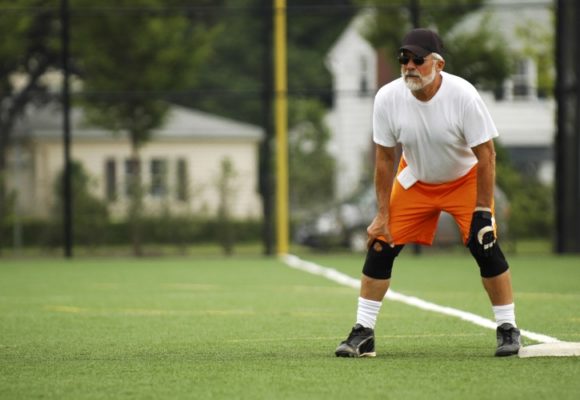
557 349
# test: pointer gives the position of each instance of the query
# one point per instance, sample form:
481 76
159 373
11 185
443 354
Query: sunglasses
404 60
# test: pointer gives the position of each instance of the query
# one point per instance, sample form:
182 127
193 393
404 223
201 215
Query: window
363 86
525 78
158 177
111 180
132 176
181 178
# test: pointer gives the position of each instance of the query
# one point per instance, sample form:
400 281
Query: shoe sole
354 355
506 353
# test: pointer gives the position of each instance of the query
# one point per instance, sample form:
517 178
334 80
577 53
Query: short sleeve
382 123
478 126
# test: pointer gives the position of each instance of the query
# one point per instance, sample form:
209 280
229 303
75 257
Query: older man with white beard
448 164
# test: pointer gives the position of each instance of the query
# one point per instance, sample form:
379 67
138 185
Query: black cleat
360 343
508 340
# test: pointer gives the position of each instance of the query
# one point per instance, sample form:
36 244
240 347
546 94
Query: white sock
367 312
505 314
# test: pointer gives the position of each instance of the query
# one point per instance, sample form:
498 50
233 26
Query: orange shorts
414 212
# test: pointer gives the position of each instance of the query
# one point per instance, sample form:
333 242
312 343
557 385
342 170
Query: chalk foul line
345 280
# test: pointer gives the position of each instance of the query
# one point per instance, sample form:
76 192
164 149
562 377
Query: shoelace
356 332
507 336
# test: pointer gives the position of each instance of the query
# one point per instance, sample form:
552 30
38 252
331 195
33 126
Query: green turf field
251 328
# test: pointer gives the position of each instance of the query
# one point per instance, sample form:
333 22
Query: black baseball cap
422 42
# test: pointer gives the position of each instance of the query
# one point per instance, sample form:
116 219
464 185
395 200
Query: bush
155 230
531 202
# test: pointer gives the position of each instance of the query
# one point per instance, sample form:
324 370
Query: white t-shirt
436 135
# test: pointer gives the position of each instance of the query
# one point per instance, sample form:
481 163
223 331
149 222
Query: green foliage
480 56
310 36
131 60
128 68
532 208
167 229
29 48
392 21
30 40
226 193
539 45
531 202
311 166
236 74
89 215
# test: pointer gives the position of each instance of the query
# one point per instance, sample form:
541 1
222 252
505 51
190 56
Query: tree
531 202
90 215
226 193
539 45
480 56
238 78
28 50
234 74
131 57
311 167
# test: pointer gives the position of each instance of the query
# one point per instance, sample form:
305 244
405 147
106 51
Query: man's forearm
485 184
485 178
384 176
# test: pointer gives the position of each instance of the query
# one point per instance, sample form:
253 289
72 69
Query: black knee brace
493 265
380 258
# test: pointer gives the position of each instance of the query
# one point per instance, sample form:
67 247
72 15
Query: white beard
415 84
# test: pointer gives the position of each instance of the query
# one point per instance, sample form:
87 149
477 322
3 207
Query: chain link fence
171 118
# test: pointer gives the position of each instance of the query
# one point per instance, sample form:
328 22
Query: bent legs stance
375 283
414 213
495 276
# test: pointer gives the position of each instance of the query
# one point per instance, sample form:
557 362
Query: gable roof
181 123
351 39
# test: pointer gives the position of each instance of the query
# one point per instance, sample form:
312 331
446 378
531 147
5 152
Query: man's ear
440 65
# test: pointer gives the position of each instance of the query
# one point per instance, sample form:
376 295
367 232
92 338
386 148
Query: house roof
181 123
350 39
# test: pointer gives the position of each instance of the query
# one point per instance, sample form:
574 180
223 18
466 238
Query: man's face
416 77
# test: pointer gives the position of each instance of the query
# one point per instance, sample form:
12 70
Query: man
448 164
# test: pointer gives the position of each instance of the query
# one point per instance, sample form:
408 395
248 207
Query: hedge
34 232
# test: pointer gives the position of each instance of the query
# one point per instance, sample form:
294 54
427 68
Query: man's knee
380 259
493 265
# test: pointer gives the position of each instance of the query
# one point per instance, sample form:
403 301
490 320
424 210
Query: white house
181 165
352 62
526 123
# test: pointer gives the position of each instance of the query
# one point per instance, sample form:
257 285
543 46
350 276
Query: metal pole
567 177
560 192
266 178
67 184
414 9
281 109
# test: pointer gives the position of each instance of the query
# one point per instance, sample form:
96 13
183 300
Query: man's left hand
481 235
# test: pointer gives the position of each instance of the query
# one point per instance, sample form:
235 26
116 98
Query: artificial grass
250 328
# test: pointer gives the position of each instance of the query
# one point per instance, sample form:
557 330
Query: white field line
343 279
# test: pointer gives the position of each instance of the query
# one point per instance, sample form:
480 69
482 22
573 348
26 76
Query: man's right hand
379 229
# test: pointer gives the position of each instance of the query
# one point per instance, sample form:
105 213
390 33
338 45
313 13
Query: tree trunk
135 209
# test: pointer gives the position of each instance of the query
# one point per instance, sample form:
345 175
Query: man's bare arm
485 154
384 177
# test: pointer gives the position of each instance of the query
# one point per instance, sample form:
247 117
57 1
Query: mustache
408 74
